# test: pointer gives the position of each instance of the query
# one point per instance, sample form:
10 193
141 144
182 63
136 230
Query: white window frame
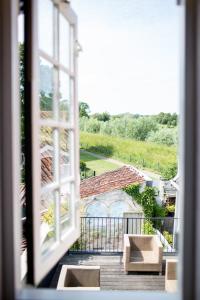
189 274
39 266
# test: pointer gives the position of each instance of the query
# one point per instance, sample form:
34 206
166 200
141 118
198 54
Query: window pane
64 41
46 89
46 26
48 221
64 96
72 49
65 208
47 155
65 159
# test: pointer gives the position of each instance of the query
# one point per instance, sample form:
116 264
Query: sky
131 55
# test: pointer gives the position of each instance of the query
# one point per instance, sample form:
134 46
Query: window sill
44 294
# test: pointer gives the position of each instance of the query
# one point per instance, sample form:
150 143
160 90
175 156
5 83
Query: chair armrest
127 247
158 248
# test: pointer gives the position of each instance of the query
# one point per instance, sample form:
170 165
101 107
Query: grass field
145 155
96 164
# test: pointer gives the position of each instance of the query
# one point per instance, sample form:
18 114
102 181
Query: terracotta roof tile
110 181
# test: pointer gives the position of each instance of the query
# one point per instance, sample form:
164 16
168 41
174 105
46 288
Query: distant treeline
140 128
161 128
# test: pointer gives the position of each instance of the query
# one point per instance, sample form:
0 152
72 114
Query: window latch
78 48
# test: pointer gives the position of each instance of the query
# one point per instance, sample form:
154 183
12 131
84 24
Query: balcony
101 244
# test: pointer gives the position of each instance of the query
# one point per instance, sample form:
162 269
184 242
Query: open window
51 154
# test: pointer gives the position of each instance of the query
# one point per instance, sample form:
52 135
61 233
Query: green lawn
96 164
146 155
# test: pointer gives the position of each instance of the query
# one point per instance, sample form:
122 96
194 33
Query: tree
84 109
102 117
166 136
46 101
83 165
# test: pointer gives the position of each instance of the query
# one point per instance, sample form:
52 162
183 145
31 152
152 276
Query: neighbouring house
103 195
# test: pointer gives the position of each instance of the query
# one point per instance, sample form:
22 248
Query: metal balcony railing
105 234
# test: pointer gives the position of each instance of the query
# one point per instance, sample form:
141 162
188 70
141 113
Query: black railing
105 234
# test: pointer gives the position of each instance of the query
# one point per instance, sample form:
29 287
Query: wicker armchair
142 253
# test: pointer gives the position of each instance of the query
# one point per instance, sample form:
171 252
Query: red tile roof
110 181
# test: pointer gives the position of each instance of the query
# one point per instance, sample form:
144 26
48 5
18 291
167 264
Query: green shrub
166 136
147 200
170 208
168 237
147 227
82 165
169 172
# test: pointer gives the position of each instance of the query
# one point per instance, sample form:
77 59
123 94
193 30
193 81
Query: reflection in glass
46 89
64 41
64 96
47 155
65 166
65 220
46 26
48 221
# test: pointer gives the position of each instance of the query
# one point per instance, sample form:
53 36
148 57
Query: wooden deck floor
112 275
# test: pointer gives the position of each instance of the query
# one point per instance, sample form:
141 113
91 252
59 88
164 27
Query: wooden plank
112 275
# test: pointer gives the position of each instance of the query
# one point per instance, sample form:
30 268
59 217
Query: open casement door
51 131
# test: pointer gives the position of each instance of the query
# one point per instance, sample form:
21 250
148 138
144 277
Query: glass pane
47 155
48 221
64 96
46 89
64 41
46 26
72 49
65 159
65 208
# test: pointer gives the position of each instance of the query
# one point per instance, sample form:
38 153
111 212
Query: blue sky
131 55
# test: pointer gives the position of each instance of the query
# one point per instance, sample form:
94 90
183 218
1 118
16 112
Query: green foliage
104 117
48 217
170 208
46 101
141 154
82 166
147 227
166 136
84 109
126 127
167 119
142 128
169 172
146 199
168 237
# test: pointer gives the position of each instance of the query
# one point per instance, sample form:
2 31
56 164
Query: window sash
38 265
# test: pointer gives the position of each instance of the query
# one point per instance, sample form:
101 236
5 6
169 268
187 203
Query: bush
170 208
147 227
168 237
147 200
169 172
125 127
166 136
82 165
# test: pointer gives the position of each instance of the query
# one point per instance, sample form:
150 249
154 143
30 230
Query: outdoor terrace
112 275
101 244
